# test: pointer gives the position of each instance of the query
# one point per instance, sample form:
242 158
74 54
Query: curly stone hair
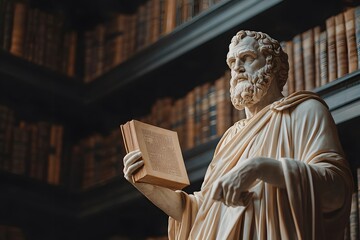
276 58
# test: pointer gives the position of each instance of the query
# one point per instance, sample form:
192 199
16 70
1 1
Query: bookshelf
194 53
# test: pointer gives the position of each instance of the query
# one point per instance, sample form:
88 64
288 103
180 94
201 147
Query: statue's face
248 83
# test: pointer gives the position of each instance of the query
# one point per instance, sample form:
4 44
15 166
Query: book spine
18 31
190 119
179 12
8 24
89 162
291 77
34 36
88 45
155 21
204 119
212 112
220 105
196 7
308 57
148 22
51 155
43 150
354 218
197 115
71 58
341 48
162 17
331 46
19 151
298 63
170 16
357 33
317 31
28 34
141 27
99 49
349 17
49 40
323 59
40 40
33 150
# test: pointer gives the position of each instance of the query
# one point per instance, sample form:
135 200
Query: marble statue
278 174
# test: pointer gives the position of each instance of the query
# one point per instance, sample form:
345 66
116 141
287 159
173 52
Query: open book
160 148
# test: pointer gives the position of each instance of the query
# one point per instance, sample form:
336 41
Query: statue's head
256 61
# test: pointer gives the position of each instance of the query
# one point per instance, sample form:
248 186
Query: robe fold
299 131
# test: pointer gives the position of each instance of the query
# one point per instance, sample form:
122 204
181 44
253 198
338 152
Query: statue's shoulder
310 106
299 100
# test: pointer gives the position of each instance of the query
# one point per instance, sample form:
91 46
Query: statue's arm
319 147
232 188
167 200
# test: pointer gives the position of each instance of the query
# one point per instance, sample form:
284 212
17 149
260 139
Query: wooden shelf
188 36
38 80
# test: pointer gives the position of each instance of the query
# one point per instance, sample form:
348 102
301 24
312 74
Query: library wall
41 152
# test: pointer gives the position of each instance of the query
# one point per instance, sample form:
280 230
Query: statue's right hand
132 162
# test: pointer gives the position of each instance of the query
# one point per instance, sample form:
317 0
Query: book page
161 152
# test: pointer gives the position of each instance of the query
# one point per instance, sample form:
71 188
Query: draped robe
298 131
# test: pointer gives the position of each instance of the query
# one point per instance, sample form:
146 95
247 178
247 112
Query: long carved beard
250 89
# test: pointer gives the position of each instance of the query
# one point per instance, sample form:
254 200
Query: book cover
161 153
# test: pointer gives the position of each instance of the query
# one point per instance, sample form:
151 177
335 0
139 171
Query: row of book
96 159
109 44
31 149
36 150
325 52
38 36
205 113
11 233
42 38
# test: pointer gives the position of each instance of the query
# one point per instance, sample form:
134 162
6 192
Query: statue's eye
231 62
248 58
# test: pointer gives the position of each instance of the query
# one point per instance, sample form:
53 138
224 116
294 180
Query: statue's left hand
232 188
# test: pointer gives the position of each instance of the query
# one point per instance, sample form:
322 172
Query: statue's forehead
246 44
